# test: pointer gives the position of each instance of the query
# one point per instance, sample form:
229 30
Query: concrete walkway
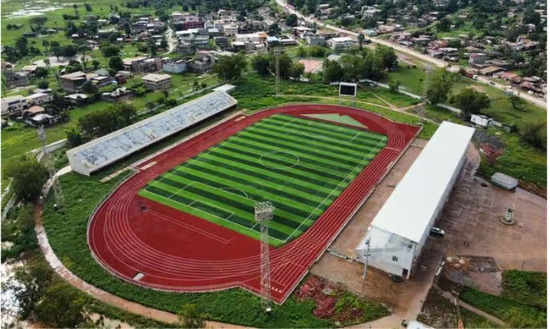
102 295
471 308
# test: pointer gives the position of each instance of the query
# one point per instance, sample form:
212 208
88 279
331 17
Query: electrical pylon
58 194
263 211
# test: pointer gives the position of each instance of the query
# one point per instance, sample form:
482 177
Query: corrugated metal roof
410 207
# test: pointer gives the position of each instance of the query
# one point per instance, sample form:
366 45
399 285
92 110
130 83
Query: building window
394 258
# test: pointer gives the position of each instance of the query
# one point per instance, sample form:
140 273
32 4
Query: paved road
440 63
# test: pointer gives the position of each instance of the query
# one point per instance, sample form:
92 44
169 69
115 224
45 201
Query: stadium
184 220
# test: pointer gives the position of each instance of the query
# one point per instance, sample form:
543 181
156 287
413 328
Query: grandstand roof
416 198
119 144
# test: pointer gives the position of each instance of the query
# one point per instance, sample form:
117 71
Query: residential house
73 81
230 30
174 66
258 37
221 42
192 22
13 104
39 98
30 69
490 70
315 40
509 76
42 119
341 42
142 64
178 17
185 48
77 98
16 78
117 95
477 58
157 81
33 110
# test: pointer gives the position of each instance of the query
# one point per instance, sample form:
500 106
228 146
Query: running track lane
179 252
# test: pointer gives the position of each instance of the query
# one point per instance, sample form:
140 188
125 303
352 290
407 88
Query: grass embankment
67 236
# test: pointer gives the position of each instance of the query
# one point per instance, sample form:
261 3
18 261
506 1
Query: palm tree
45 44
75 6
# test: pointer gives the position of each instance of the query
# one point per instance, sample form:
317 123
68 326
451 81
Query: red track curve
179 252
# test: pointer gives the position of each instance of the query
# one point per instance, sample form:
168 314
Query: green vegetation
18 228
513 312
302 165
67 236
28 176
526 287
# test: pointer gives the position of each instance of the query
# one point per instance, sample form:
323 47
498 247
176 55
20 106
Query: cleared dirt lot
472 225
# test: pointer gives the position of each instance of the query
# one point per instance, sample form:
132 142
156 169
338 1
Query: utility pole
277 51
367 255
263 211
59 199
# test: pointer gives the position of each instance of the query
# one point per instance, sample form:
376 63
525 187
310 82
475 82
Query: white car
437 231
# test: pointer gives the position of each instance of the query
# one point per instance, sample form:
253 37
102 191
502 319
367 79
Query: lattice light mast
263 211
58 194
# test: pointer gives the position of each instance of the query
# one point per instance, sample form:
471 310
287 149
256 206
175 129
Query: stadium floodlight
263 211
367 255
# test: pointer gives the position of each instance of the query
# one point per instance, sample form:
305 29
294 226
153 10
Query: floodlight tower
59 199
263 211
367 255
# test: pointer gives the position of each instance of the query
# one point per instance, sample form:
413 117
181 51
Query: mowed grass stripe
289 210
304 184
250 186
314 154
235 200
233 172
275 238
288 168
319 137
240 216
305 163
344 133
331 145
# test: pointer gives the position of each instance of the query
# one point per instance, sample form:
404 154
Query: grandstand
110 148
396 235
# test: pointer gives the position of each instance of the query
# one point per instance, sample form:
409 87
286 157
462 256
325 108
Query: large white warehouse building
110 148
399 230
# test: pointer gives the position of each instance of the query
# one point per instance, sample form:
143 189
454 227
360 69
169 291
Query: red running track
176 251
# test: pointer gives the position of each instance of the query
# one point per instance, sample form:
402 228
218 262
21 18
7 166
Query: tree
292 20
28 177
45 44
534 133
74 136
89 88
116 64
388 57
444 25
296 70
75 7
470 101
394 85
260 63
88 7
22 46
438 86
284 65
62 307
34 278
41 72
229 67
189 317
360 39
332 71
273 29
43 84
102 122
515 101
95 64
353 68
110 51
301 51
151 46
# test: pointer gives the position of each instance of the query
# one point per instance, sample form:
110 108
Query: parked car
437 231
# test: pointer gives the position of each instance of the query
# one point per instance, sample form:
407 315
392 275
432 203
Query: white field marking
291 121
281 167
228 189
227 219
351 172
181 189
204 211
354 137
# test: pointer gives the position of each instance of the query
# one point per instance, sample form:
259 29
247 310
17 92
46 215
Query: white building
258 37
110 148
344 42
399 230
13 104
480 120
39 98
230 30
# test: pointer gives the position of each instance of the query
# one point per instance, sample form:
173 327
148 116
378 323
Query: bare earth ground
471 215
311 65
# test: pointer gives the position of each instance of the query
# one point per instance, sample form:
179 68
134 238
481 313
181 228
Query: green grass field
300 165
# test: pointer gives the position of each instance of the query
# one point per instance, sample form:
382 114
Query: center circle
267 160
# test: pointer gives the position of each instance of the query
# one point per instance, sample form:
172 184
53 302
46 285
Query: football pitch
298 164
